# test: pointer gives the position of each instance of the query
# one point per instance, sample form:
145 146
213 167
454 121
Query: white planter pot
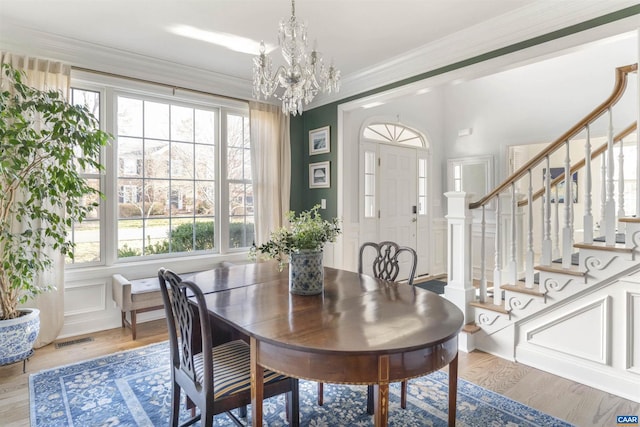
18 335
306 275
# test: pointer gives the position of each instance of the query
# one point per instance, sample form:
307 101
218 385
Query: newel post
459 289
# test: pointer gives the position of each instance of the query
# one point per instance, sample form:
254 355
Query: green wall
302 197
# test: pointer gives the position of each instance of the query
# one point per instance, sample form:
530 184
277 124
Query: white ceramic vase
18 335
306 274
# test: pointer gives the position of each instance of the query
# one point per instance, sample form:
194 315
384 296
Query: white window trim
110 88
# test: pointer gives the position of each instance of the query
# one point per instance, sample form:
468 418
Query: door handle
414 219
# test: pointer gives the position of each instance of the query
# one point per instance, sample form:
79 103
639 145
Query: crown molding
535 20
78 53
520 25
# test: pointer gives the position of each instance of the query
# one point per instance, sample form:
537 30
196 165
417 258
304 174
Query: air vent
72 342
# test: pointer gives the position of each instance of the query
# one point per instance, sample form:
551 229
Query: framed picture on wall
319 175
319 141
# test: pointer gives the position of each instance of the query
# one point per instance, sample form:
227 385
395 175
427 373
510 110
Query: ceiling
358 35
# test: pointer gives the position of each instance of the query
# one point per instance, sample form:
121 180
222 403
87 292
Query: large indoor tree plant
45 145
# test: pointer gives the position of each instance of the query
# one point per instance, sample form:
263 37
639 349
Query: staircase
542 285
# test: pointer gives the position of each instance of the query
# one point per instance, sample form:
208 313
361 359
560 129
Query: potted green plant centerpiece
45 144
301 243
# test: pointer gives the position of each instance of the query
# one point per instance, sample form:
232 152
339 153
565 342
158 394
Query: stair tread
633 219
490 306
574 261
521 287
618 247
573 270
471 328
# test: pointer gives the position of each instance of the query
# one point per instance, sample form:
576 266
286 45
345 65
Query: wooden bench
137 296
140 295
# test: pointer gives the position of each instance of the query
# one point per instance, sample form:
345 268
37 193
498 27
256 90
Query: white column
460 289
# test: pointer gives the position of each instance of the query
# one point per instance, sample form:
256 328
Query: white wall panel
83 297
560 334
592 338
633 332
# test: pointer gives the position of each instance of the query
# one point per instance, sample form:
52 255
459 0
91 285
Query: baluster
497 271
546 243
603 192
637 151
621 213
529 274
556 224
567 230
513 265
483 264
588 214
610 205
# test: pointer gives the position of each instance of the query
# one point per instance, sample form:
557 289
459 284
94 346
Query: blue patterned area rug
132 388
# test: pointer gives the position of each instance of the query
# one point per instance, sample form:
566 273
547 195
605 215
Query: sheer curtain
43 74
271 167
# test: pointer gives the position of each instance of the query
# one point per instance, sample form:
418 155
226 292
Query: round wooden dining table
360 330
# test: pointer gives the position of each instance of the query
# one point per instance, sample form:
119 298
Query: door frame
344 252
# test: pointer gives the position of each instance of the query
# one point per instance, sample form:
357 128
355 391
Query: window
180 180
86 235
422 186
457 178
166 178
393 133
369 184
239 182
396 134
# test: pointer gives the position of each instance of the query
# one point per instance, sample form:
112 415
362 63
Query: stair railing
509 263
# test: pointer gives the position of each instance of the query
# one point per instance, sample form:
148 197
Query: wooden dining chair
385 266
215 379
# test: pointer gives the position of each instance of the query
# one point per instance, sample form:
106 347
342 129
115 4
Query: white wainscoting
593 339
89 306
85 297
438 247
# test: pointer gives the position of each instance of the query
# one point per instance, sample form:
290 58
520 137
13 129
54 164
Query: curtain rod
173 87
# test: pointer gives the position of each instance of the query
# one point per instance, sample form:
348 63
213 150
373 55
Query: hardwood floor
573 402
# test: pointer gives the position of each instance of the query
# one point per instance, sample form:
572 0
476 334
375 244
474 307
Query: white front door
397 194
398 197
394 194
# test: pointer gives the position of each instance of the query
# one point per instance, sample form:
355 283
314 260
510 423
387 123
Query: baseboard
606 378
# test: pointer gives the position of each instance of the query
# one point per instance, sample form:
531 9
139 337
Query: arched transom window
393 133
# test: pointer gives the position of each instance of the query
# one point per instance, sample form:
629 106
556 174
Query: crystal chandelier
302 77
